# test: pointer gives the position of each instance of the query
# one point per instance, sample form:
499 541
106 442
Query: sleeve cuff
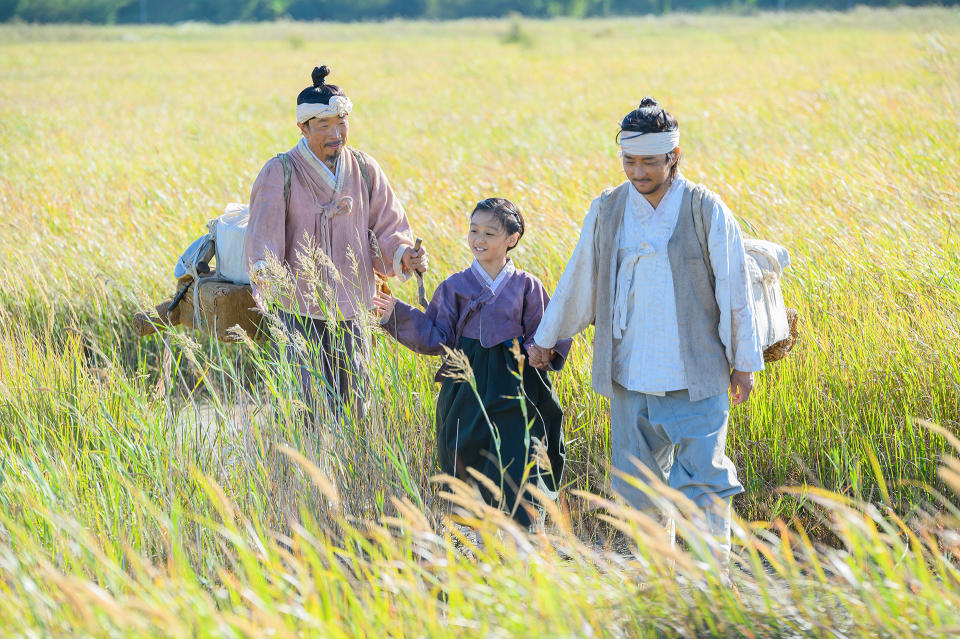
398 264
541 342
556 363
386 317
750 365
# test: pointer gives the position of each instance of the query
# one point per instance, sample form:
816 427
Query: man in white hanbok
675 329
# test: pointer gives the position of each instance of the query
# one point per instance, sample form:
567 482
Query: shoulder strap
364 171
702 227
287 170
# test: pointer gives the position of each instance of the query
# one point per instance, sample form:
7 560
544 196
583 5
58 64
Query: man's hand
741 385
384 303
415 260
538 356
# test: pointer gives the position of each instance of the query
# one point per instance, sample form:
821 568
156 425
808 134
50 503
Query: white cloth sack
228 232
200 251
766 262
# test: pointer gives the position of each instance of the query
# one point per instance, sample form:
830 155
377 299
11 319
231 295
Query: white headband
339 105
633 143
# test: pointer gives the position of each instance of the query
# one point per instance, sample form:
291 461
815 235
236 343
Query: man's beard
333 159
651 187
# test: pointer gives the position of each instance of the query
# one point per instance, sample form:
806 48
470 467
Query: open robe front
339 217
586 294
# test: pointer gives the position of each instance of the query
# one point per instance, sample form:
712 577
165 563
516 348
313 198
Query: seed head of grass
238 334
275 280
539 454
458 366
187 344
275 329
317 269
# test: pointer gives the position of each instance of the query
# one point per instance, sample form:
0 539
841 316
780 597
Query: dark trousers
330 363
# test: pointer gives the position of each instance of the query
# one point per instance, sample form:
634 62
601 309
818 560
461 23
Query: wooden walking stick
421 292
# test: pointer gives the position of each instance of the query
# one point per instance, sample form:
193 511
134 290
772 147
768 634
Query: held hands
539 357
741 385
415 260
384 304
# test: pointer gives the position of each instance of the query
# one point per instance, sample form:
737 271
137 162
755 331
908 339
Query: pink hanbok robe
342 221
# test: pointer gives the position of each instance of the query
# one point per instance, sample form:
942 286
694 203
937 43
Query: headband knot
339 105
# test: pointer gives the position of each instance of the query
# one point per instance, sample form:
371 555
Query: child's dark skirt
465 438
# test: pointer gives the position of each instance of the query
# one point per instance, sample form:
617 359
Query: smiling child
481 311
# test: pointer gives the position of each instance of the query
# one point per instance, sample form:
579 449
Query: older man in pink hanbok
326 213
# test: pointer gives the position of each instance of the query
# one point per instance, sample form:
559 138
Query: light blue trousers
682 442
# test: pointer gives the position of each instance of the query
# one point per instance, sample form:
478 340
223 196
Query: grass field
147 490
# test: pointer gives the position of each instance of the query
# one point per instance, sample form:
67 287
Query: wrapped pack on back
228 232
766 262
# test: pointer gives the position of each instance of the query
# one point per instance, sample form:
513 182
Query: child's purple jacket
466 306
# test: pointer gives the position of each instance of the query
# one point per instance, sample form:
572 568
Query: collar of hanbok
637 241
331 179
484 277
642 208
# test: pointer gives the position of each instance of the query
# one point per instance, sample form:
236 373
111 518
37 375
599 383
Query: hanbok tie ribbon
627 258
326 212
342 206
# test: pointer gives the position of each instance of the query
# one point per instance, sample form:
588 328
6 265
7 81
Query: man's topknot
319 73
320 92
644 103
649 117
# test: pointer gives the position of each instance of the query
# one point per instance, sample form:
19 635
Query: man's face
649 173
326 137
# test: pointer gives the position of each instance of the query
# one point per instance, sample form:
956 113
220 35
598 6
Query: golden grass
835 134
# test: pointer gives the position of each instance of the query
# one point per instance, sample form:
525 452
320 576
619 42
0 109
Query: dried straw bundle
778 351
222 305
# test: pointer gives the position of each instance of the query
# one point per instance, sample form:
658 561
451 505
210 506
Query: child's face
488 239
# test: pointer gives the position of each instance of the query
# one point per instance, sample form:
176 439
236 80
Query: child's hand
538 356
384 304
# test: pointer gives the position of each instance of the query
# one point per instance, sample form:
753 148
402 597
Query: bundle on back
218 307
212 301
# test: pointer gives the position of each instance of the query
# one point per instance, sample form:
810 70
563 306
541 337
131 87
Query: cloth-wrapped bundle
766 262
